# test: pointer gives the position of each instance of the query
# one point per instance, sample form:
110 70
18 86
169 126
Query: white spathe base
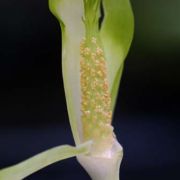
101 167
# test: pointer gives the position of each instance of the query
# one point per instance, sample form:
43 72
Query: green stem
29 166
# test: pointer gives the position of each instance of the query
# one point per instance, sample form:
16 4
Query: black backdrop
33 115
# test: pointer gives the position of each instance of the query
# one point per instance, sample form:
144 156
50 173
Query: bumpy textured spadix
96 106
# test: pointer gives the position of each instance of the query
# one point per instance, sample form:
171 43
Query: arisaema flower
96 36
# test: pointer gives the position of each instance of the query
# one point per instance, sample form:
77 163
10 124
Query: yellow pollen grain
93 40
99 51
86 51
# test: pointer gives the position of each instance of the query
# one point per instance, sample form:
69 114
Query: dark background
33 115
